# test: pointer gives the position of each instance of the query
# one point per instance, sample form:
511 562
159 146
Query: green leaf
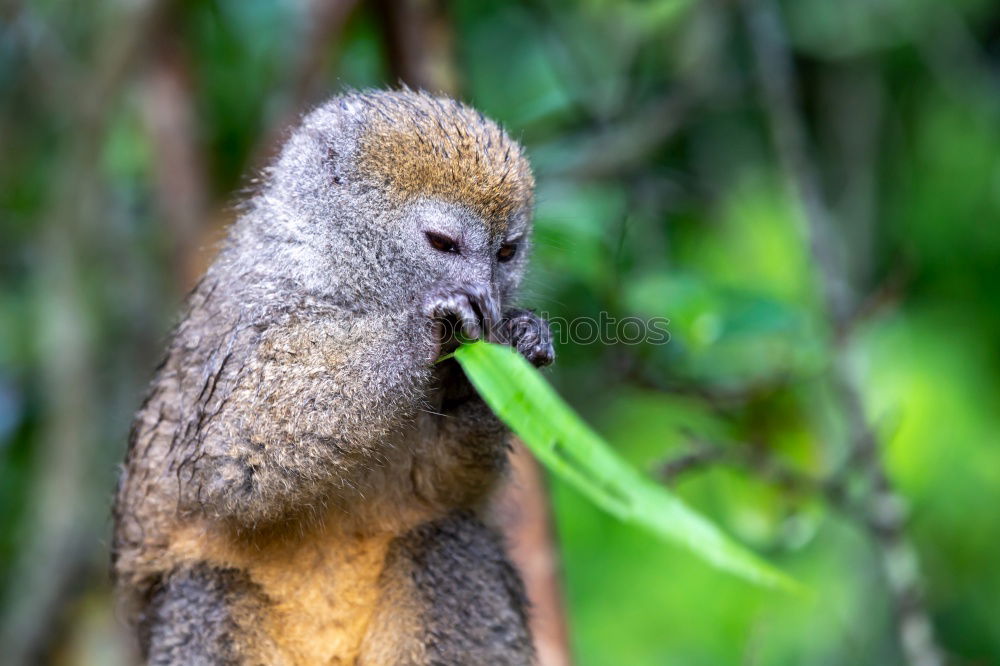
571 450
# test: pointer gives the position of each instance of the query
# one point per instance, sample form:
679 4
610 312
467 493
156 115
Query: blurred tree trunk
526 518
419 44
179 169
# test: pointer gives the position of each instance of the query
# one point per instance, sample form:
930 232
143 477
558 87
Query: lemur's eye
441 242
506 252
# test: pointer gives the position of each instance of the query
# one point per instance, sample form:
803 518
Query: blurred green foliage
660 194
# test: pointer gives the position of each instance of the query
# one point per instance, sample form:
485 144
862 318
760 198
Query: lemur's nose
488 303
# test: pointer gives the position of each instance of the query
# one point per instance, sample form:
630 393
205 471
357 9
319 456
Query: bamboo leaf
572 450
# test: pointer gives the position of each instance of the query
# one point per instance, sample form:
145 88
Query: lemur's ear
335 165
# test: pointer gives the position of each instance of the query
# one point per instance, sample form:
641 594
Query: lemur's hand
471 310
529 334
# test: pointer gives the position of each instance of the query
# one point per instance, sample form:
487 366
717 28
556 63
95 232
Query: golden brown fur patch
321 590
421 145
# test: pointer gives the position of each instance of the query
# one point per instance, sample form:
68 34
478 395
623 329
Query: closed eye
441 242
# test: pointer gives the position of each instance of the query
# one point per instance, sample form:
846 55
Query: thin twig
620 146
761 464
776 79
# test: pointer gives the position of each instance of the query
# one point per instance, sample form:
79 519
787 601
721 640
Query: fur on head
418 145
369 179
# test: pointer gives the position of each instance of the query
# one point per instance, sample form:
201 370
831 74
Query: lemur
305 483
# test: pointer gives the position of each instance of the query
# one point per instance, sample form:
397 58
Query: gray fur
193 618
470 600
302 378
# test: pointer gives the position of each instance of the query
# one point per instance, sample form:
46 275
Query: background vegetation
809 190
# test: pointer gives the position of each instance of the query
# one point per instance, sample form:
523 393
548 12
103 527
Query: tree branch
758 461
883 510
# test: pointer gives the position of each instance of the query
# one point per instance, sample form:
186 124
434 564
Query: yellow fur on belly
322 589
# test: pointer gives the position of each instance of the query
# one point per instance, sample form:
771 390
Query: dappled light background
809 191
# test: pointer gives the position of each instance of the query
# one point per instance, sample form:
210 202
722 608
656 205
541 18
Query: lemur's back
304 483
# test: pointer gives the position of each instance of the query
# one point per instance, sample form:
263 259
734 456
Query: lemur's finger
530 335
539 354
